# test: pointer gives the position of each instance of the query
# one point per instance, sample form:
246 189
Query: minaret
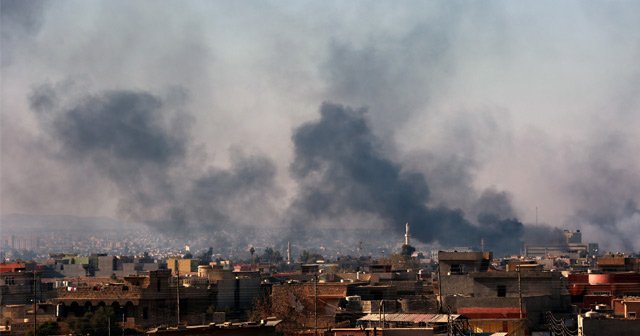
288 252
406 234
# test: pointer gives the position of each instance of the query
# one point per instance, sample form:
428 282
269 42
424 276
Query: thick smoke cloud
139 145
117 127
340 167
496 203
18 20
533 104
27 16
608 190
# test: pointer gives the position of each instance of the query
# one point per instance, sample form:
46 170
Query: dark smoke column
342 170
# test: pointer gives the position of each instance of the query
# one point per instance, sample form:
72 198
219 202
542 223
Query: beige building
182 266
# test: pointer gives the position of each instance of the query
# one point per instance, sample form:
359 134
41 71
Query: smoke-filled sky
459 117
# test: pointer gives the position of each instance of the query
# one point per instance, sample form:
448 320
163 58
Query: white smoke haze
186 113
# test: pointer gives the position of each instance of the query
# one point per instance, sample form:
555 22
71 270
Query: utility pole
35 304
439 289
315 304
178 291
124 310
109 324
383 317
380 314
520 291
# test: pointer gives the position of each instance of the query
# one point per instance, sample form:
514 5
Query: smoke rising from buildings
204 115
140 145
341 170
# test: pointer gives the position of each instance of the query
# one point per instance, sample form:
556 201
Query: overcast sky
538 102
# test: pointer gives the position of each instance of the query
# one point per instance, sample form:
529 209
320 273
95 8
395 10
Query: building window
502 291
145 313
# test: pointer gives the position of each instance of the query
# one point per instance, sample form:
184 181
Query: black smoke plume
141 147
341 169
140 143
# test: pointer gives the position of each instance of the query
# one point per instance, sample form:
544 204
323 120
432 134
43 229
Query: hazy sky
121 108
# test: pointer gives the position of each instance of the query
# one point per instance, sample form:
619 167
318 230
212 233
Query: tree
292 303
307 257
399 261
211 310
407 250
270 255
45 329
205 257
81 325
95 323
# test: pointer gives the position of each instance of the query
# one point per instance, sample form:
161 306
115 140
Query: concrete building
143 300
572 247
590 289
573 237
20 287
16 288
465 281
618 263
455 263
266 328
182 265
593 323
106 266
627 307
234 290
382 331
532 293
438 322
18 319
306 298
494 320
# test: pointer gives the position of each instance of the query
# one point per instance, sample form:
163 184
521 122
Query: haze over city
497 121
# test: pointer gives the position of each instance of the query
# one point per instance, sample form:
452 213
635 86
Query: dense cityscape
103 284
307 168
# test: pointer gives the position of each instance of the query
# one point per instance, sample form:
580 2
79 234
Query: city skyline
482 118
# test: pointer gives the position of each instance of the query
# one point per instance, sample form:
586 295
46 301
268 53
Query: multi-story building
182 265
590 289
142 300
466 283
